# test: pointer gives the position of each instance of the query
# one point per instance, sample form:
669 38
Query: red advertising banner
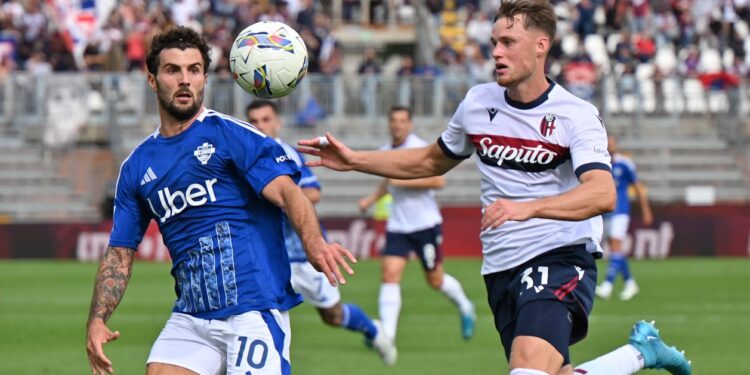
677 231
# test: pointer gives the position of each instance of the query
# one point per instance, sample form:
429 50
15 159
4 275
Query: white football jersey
412 209
528 151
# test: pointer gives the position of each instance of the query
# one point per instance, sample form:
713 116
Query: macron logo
148 176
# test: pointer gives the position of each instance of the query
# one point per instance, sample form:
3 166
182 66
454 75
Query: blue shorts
549 297
425 243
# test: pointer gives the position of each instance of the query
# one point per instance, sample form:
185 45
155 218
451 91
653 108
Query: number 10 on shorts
257 353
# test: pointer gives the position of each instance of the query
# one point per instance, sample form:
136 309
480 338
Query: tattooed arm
111 281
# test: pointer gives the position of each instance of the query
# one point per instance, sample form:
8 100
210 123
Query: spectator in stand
585 24
370 63
480 69
477 29
135 47
445 55
644 47
38 64
689 66
640 12
306 16
407 66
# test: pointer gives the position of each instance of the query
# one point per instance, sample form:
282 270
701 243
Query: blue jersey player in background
616 223
218 189
264 115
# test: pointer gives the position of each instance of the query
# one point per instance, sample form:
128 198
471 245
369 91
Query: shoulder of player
135 155
414 140
576 105
625 160
483 89
230 124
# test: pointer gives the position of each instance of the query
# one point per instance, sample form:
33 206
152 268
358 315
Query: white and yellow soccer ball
268 59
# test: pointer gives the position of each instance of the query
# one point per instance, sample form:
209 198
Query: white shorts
313 286
616 226
255 342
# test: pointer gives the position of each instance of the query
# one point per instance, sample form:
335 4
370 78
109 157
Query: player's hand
98 334
503 210
333 154
327 257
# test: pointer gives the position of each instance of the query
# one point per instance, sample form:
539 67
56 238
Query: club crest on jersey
204 152
492 111
548 125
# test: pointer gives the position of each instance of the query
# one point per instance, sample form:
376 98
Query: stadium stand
669 77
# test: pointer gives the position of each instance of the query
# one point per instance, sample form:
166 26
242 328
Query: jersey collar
534 103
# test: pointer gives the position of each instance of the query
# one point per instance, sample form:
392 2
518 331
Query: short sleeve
308 180
260 159
129 220
454 141
588 145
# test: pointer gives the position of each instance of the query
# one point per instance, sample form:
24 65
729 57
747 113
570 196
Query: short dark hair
176 37
399 108
255 104
538 14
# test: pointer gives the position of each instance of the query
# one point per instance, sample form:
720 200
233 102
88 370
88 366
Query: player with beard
546 179
218 189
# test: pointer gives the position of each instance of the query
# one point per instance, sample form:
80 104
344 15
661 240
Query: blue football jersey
307 180
203 188
623 171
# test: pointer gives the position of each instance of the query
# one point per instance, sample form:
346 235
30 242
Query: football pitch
701 305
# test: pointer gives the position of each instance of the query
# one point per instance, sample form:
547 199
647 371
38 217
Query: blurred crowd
705 39
33 36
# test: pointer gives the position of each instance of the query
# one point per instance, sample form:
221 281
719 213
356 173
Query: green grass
701 305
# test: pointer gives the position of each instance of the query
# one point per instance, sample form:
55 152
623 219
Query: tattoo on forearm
111 281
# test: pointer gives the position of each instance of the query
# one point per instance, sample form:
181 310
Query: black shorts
425 243
549 297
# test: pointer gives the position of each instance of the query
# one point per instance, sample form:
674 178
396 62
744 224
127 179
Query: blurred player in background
263 114
414 225
546 179
616 223
216 186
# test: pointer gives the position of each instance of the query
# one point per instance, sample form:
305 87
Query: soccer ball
268 59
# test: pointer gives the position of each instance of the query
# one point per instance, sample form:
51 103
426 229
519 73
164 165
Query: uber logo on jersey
204 152
173 203
492 112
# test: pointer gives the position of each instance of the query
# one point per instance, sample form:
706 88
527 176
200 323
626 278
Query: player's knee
534 352
391 276
332 315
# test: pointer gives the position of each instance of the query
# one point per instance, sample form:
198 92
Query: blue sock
355 319
624 268
612 269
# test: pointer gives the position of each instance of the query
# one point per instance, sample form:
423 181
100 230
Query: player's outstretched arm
435 182
402 164
111 280
325 257
594 196
369 200
640 192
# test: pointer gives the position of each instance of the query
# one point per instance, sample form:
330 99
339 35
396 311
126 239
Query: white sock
451 288
624 360
389 306
526 371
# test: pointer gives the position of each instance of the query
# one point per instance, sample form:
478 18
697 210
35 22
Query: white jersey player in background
306 281
414 225
546 178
